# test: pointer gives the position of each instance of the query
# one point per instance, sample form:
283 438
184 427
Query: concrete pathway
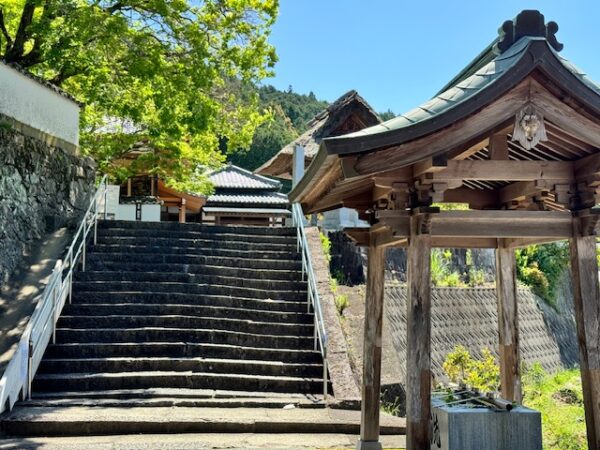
87 421
198 441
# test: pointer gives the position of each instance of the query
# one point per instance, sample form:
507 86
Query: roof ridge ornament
529 22
529 128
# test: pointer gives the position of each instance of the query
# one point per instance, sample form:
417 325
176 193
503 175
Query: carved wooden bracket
588 221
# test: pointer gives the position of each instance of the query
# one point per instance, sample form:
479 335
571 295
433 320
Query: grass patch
559 398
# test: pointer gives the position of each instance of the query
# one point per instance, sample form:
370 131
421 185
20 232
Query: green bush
476 277
341 303
451 280
462 368
326 246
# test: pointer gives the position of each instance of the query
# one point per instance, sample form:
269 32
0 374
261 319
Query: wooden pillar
369 423
508 323
418 344
586 296
182 211
128 187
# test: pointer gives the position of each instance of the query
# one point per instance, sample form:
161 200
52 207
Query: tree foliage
541 267
174 75
290 114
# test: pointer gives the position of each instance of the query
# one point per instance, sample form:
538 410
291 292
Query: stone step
61 399
188 245
199 289
221 422
180 393
136 309
160 334
142 234
261 274
180 350
171 379
197 227
208 365
183 298
256 441
282 262
143 250
186 322
197 279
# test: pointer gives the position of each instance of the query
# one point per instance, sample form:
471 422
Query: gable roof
234 177
527 46
321 126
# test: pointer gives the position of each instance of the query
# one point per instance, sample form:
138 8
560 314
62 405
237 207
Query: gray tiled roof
236 211
271 198
232 176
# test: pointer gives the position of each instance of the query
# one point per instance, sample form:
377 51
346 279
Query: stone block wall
42 188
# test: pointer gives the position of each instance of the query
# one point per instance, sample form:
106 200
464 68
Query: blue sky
398 54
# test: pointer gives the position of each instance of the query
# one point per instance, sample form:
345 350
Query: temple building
244 198
347 114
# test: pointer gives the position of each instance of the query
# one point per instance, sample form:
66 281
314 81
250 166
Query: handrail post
70 277
29 369
83 253
105 195
96 201
325 378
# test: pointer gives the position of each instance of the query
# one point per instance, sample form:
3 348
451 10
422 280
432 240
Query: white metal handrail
41 328
314 301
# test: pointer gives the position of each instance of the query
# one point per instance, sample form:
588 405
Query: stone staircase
185 328
166 310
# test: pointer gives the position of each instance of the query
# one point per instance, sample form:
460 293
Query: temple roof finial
529 22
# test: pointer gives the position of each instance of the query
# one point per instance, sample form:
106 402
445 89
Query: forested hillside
290 114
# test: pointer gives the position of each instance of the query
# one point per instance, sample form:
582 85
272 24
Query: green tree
178 73
290 114
541 266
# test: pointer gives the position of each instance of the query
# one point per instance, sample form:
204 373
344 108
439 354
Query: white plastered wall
37 106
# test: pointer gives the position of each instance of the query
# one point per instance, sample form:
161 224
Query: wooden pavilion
516 136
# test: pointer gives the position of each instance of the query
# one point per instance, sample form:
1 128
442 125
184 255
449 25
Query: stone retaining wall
42 188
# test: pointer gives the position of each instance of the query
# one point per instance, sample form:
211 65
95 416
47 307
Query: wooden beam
508 324
430 165
498 147
472 150
586 297
128 187
485 224
526 242
504 171
562 115
418 344
475 198
371 382
521 190
448 138
587 167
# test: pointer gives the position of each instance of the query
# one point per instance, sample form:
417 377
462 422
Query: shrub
326 246
476 277
462 368
341 303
